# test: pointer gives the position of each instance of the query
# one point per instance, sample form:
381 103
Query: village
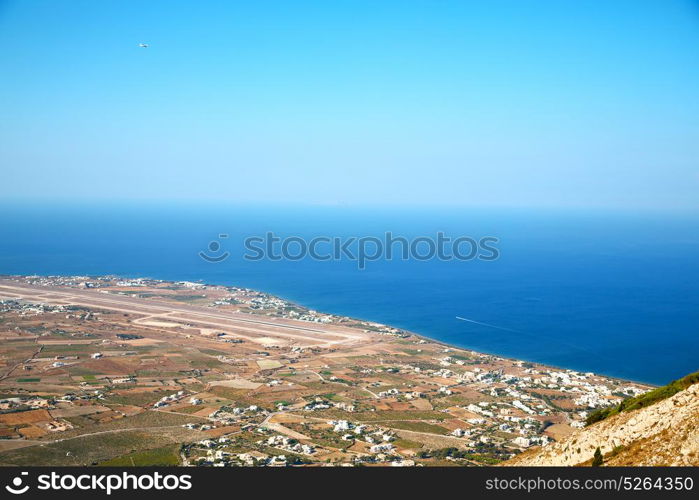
181 373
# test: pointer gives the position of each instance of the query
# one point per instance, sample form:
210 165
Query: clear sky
522 103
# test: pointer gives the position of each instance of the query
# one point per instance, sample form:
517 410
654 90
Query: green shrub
598 459
644 400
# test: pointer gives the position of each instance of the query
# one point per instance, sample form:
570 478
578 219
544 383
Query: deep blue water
613 293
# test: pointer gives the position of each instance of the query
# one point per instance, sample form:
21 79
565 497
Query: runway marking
182 313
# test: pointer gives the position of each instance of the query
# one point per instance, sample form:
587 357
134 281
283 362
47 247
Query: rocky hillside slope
666 433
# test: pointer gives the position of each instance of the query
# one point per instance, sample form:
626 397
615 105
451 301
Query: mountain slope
645 399
665 433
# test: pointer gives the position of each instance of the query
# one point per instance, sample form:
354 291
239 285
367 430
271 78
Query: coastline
216 360
350 318
419 335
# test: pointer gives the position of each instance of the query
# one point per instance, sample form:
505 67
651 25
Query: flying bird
143 45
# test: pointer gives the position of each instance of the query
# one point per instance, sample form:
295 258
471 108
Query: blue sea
613 293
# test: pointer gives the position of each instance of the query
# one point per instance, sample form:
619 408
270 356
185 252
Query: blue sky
525 103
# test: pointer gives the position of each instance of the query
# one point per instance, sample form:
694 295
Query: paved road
280 428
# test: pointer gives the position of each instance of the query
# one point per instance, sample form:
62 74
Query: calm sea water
611 293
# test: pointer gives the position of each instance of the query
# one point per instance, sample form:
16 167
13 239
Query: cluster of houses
72 281
258 301
168 400
89 281
389 393
227 415
317 404
24 308
384 329
214 453
30 403
378 437
311 316
522 399
290 444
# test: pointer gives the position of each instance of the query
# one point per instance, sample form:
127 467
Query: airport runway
185 315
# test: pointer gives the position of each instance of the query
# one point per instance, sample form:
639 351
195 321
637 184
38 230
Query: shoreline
219 360
426 337
420 336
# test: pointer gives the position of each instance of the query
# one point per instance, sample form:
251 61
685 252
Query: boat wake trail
549 339
488 325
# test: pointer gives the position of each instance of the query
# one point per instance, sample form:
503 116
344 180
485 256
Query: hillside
663 433
643 400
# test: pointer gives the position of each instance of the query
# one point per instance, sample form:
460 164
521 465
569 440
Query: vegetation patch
166 456
644 400
419 427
